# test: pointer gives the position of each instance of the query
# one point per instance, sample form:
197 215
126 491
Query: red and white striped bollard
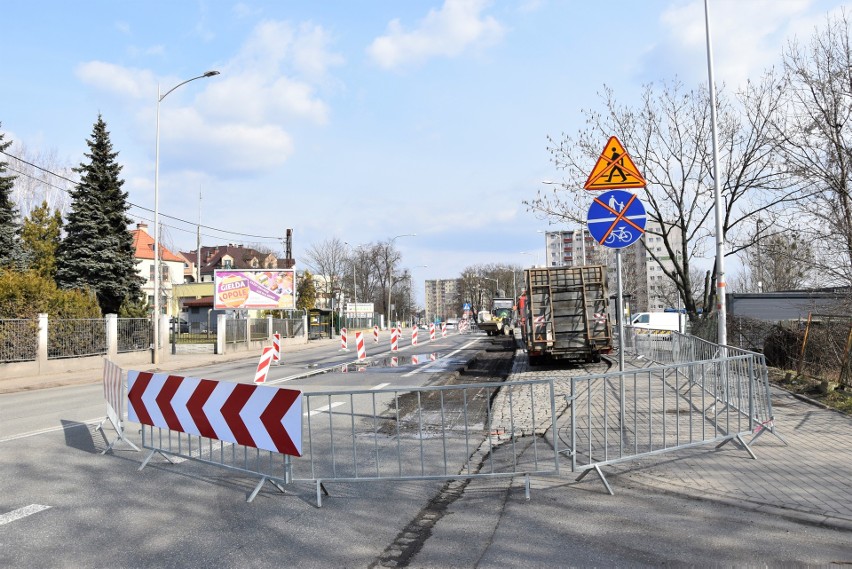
343 343
359 343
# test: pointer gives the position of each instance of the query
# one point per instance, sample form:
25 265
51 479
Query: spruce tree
97 251
40 237
11 254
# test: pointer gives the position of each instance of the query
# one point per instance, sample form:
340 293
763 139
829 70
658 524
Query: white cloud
124 81
747 36
447 32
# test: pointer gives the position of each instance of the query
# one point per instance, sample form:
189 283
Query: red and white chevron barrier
443 329
376 334
431 331
415 360
343 343
394 361
414 336
276 348
359 344
394 340
257 416
263 365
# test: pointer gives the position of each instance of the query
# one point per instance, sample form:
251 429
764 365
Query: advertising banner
255 289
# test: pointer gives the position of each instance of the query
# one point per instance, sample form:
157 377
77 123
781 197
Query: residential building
231 256
171 267
643 279
442 299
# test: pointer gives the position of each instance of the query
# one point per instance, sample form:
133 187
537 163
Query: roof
143 247
203 301
211 258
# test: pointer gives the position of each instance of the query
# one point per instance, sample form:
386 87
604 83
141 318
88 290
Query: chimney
142 226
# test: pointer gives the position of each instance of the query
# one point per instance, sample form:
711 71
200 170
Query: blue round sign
617 219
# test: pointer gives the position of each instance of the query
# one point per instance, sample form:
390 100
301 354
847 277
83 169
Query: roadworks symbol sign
614 169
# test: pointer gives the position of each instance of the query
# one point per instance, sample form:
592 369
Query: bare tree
816 143
328 259
779 261
41 177
668 136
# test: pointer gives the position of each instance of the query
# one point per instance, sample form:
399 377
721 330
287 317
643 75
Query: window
227 263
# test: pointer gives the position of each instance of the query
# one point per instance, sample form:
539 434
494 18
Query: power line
60 176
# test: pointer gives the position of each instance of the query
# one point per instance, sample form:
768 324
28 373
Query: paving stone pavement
808 479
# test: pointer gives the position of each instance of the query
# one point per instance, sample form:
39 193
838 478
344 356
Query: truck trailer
563 314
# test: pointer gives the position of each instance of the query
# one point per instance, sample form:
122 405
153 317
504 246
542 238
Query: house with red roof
171 267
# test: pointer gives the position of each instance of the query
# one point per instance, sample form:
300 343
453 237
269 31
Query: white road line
87 423
380 386
21 513
430 364
324 408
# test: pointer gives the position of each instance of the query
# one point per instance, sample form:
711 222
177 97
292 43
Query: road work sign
614 169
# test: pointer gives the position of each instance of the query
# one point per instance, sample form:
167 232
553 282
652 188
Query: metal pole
720 238
620 308
156 355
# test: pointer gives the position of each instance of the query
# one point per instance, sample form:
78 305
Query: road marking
21 513
87 423
430 364
323 409
380 386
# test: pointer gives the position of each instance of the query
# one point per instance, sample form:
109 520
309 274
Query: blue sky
361 120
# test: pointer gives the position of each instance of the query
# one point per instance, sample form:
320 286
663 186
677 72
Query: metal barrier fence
258 329
18 340
134 334
288 327
425 433
73 337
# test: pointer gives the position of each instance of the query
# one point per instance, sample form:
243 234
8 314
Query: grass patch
827 392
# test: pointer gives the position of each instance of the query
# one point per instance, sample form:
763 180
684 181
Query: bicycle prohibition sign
617 219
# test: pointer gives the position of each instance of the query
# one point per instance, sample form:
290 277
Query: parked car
181 325
452 323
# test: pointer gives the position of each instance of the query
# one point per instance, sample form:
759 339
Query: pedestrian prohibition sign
616 219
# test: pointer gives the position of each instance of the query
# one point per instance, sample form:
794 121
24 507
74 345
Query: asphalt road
62 504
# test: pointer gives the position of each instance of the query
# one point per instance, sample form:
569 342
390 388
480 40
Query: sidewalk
172 363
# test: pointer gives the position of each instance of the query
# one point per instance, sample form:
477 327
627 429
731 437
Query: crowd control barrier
114 390
253 429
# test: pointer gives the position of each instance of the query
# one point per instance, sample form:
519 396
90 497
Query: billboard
255 289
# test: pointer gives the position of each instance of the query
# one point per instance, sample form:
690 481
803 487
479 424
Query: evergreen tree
11 254
40 238
306 291
97 251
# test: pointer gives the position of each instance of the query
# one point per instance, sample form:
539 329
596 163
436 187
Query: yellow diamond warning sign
614 169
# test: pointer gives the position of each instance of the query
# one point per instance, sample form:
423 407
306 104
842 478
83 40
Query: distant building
171 266
231 257
442 299
645 279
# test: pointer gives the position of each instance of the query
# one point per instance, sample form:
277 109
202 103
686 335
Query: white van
671 321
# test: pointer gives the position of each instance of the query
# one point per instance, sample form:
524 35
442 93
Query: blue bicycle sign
616 219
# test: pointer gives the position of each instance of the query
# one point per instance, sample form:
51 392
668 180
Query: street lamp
534 256
409 286
496 290
354 282
156 358
390 271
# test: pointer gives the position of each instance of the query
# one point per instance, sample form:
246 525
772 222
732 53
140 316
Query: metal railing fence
288 327
258 329
18 340
427 433
74 337
134 334
236 331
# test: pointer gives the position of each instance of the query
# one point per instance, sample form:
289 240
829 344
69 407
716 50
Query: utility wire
60 176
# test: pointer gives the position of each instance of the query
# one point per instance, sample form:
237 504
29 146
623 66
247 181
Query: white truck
669 321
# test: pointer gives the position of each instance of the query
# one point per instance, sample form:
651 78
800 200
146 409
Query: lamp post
354 282
410 285
497 289
534 256
390 270
156 358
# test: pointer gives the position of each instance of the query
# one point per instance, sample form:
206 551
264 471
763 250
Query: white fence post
269 331
41 354
221 332
112 334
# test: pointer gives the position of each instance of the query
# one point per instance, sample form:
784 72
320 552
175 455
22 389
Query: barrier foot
746 447
771 430
120 437
600 475
257 488
151 455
